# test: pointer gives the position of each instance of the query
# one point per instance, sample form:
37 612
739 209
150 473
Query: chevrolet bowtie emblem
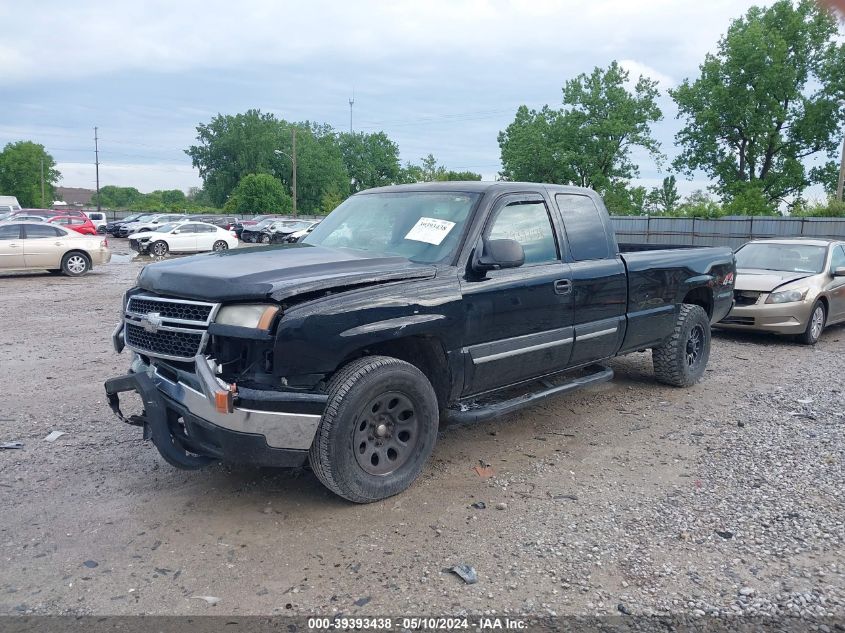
151 322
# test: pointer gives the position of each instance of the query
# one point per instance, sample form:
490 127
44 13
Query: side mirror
497 254
839 272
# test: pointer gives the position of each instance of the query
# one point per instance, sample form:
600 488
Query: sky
440 76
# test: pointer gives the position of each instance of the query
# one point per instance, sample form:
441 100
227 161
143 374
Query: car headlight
788 296
258 316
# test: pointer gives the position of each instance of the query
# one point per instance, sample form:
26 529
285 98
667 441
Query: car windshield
792 258
143 218
263 224
297 226
422 226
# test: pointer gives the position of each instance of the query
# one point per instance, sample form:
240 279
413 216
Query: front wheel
682 359
265 239
159 248
815 325
220 245
75 264
377 431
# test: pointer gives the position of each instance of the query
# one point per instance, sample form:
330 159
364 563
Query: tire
682 359
159 248
220 245
265 239
75 264
815 325
377 431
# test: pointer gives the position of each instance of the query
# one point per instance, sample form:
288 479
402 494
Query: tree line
766 103
762 120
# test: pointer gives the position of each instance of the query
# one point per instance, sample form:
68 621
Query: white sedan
183 237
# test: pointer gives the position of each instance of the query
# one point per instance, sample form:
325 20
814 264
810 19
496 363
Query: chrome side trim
585 337
521 350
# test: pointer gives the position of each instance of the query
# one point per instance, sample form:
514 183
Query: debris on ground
211 600
479 505
360 602
10 445
501 506
466 573
53 436
91 564
485 471
725 534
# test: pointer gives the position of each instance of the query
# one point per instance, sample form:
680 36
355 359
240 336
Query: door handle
14 245
563 286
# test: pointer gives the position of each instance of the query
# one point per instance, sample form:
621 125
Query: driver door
836 288
518 320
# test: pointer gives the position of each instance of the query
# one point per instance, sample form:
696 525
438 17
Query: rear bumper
179 418
779 318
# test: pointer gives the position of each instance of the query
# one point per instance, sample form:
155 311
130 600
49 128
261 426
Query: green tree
430 171
22 165
371 160
764 102
259 193
320 167
232 146
664 199
112 197
699 204
588 142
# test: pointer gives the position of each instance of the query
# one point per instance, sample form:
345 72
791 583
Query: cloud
637 69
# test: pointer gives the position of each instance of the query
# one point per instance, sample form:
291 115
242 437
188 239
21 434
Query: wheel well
83 253
823 299
700 297
423 352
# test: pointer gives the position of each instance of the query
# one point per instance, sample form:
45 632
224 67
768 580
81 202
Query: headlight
788 296
258 316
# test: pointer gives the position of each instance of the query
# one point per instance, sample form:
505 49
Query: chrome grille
173 329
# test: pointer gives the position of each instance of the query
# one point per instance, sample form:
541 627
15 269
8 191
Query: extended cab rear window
585 230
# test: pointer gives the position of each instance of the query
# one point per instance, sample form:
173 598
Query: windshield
130 218
263 224
143 218
792 258
422 226
297 226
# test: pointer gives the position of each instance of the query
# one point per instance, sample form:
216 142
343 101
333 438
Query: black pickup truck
406 306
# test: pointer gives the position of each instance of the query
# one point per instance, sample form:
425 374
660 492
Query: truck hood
765 280
274 272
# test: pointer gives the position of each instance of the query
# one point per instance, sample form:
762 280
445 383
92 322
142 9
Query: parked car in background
50 213
9 204
80 225
256 233
39 245
113 228
240 225
150 222
183 237
27 218
789 286
296 236
99 220
280 232
223 221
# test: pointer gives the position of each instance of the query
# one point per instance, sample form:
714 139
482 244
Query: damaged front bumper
182 416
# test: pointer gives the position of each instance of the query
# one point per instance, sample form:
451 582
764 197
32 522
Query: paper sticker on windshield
430 231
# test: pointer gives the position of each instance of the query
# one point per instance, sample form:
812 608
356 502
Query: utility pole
351 101
43 204
841 173
293 161
97 166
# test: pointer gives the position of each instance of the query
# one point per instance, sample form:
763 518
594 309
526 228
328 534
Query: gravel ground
630 497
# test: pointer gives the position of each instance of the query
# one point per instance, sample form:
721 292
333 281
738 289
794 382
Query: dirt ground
631 496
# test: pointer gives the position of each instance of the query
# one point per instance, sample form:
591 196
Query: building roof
74 195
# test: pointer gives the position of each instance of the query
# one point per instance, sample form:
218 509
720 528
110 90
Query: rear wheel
220 245
815 325
265 239
75 264
682 359
159 248
378 429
